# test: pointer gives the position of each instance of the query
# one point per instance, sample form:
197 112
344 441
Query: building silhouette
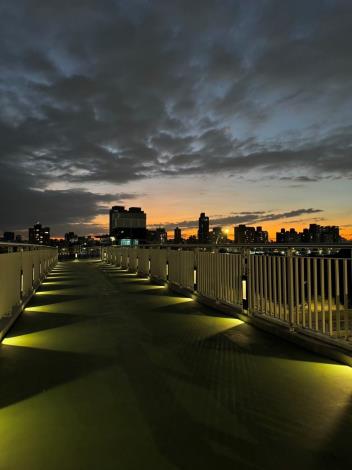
159 235
245 234
314 234
177 235
203 228
128 224
39 235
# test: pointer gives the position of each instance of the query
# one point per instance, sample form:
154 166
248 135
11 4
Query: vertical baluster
329 297
337 297
239 277
261 283
251 286
284 284
309 293
291 292
279 285
265 278
223 280
273 265
230 288
345 298
230 284
322 291
315 274
296 288
302 292
270 285
256 272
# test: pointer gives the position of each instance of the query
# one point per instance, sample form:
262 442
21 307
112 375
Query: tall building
128 224
244 234
203 228
330 234
177 235
314 234
39 235
261 236
288 236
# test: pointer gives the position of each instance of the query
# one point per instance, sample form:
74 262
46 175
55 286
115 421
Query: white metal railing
219 276
159 264
21 271
182 268
306 293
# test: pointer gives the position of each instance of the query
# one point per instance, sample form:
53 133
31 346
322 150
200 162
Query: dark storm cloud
119 91
243 218
330 156
22 205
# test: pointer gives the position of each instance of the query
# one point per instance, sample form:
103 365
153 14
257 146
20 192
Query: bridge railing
22 268
306 293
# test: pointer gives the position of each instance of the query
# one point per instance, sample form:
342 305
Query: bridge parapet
22 268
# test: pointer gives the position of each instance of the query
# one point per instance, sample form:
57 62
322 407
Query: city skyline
177 108
130 223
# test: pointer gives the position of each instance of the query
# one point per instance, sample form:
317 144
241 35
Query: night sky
241 109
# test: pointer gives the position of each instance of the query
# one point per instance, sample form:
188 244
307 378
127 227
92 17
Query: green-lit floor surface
105 371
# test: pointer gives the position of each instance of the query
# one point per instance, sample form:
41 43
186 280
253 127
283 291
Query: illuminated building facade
39 235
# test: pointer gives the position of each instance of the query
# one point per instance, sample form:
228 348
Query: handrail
244 245
31 245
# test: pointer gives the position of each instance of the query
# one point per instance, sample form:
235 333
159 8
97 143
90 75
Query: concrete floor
105 371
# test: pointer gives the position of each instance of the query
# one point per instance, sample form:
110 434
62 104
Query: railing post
245 279
290 289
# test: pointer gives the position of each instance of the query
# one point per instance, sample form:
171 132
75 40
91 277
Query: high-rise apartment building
177 235
244 234
314 234
39 235
128 224
203 228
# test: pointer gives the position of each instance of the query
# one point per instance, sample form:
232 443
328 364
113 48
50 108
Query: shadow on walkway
26 372
32 322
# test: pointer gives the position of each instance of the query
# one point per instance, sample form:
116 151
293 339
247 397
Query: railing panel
219 276
124 258
10 282
20 273
181 265
143 262
158 262
133 260
308 293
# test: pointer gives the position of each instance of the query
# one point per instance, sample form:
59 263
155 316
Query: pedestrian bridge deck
104 370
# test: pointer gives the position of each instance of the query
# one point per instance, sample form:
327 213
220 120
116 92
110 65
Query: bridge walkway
104 370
